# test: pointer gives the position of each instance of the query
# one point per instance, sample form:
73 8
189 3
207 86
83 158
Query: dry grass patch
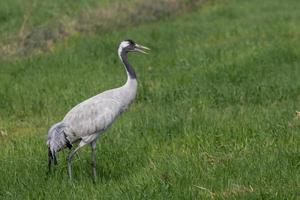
89 21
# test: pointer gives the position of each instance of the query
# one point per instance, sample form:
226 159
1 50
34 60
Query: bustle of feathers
57 140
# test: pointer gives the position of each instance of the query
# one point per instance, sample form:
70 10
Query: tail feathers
56 141
52 157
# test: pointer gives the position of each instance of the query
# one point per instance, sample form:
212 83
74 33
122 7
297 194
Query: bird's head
131 46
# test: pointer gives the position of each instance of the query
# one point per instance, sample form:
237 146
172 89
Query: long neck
130 71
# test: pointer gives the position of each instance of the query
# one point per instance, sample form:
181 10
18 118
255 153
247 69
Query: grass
33 27
211 119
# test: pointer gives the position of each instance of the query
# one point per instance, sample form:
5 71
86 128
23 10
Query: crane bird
87 120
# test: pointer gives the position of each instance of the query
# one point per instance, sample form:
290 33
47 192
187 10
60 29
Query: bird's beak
140 48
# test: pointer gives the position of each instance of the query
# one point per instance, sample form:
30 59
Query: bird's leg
69 159
93 144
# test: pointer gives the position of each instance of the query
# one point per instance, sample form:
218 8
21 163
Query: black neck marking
127 65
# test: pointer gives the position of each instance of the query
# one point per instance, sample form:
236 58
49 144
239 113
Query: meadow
214 117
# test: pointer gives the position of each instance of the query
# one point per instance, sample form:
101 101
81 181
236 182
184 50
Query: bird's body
87 120
93 116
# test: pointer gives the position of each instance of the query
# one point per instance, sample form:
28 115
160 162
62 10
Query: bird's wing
92 116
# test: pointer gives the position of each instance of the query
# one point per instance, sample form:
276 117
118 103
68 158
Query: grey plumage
86 121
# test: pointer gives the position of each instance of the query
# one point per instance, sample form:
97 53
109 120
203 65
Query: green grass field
213 118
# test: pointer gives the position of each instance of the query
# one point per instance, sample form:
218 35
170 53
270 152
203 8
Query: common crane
87 120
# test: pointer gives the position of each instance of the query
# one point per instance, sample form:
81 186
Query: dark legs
93 144
70 157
